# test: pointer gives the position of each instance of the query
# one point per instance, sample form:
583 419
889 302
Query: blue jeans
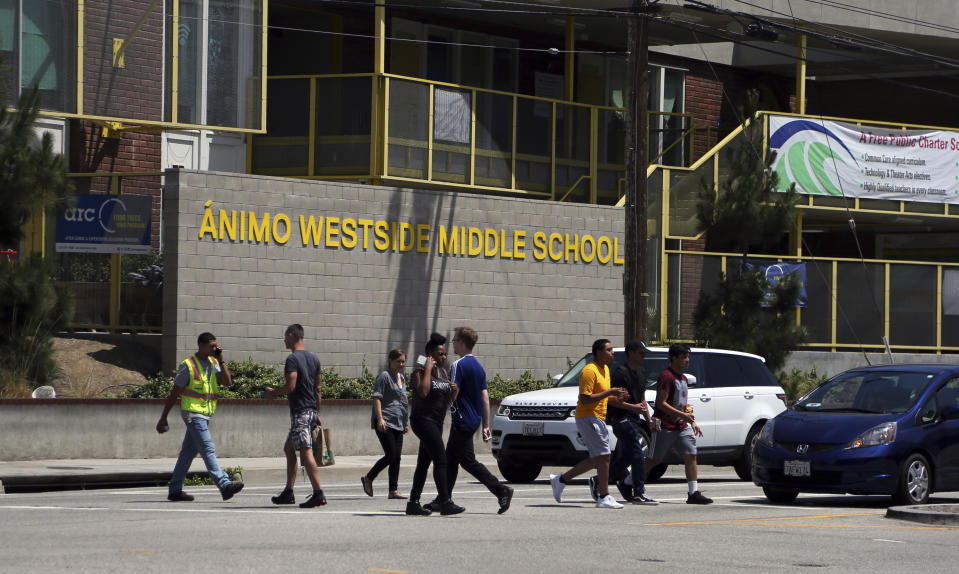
627 433
197 440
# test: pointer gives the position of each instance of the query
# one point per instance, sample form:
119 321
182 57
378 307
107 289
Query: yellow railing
852 303
440 134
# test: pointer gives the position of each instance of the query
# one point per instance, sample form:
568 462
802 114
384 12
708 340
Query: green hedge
251 378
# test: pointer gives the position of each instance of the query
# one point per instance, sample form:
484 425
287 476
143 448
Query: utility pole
637 128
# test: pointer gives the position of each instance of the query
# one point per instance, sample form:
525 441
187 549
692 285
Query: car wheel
744 466
780 495
514 472
914 481
656 472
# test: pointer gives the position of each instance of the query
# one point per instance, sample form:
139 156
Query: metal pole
634 273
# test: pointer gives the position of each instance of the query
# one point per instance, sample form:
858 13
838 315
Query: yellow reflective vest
200 395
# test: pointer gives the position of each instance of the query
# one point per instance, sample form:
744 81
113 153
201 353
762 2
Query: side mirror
556 379
691 380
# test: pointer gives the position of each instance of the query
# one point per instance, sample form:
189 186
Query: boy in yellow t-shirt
594 392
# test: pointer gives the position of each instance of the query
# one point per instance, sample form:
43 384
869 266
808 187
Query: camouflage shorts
301 425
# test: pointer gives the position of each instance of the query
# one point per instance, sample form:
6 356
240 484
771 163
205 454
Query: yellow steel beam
569 85
593 154
175 64
80 50
834 303
311 130
801 75
120 45
939 309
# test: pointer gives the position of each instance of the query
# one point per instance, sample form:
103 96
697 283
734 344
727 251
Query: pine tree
747 313
32 178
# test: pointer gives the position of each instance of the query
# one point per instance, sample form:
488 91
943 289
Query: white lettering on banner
78 214
333 232
842 159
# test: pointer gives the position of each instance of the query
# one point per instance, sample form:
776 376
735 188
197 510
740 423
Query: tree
748 313
32 179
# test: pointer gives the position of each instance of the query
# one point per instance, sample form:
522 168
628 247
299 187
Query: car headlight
766 435
572 412
876 436
503 411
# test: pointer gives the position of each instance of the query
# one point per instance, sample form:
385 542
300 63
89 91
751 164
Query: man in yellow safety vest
197 384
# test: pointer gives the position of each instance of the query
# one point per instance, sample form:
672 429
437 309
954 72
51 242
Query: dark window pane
756 372
722 371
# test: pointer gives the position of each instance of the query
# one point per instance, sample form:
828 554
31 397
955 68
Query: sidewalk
78 474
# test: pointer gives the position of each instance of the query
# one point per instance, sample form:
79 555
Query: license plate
532 429
796 468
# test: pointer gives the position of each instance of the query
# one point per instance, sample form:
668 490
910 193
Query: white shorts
594 433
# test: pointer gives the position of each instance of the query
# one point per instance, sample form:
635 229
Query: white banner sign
841 159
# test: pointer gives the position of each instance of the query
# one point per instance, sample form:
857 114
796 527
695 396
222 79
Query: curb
926 513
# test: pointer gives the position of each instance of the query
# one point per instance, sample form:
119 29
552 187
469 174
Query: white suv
733 395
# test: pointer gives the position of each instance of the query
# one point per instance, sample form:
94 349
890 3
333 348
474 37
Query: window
723 371
756 372
218 62
38 48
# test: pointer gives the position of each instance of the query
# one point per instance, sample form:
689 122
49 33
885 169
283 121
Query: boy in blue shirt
469 411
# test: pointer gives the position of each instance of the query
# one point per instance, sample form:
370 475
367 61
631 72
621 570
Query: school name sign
380 235
841 159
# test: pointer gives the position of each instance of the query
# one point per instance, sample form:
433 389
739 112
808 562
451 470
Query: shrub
797 382
501 387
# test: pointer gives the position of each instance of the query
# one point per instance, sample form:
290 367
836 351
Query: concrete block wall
49 429
357 303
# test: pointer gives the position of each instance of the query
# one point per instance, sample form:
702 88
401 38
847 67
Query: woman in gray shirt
390 420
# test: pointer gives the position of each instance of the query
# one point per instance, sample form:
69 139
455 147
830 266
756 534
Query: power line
884 15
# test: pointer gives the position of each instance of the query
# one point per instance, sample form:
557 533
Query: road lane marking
793 522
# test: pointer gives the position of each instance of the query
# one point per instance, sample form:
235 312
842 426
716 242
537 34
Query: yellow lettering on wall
366 224
448 243
228 226
349 233
422 238
604 241
287 229
539 246
491 242
332 231
502 246
242 225
259 232
617 260
208 226
571 248
475 233
519 244
311 229
405 233
396 237
587 256
381 236
555 238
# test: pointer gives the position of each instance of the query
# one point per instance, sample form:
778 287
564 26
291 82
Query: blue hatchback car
891 429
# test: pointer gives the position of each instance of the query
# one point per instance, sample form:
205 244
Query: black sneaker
231 489
641 498
367 485
626 490
698 498
505 497
179 496
594 488
315 499
285 497
413 508
432 506
449 507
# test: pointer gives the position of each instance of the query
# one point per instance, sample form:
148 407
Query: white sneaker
557 486
608 502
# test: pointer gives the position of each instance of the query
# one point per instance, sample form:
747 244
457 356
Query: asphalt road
137 530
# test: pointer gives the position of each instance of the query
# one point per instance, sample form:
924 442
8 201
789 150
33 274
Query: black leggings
431 450
392 443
